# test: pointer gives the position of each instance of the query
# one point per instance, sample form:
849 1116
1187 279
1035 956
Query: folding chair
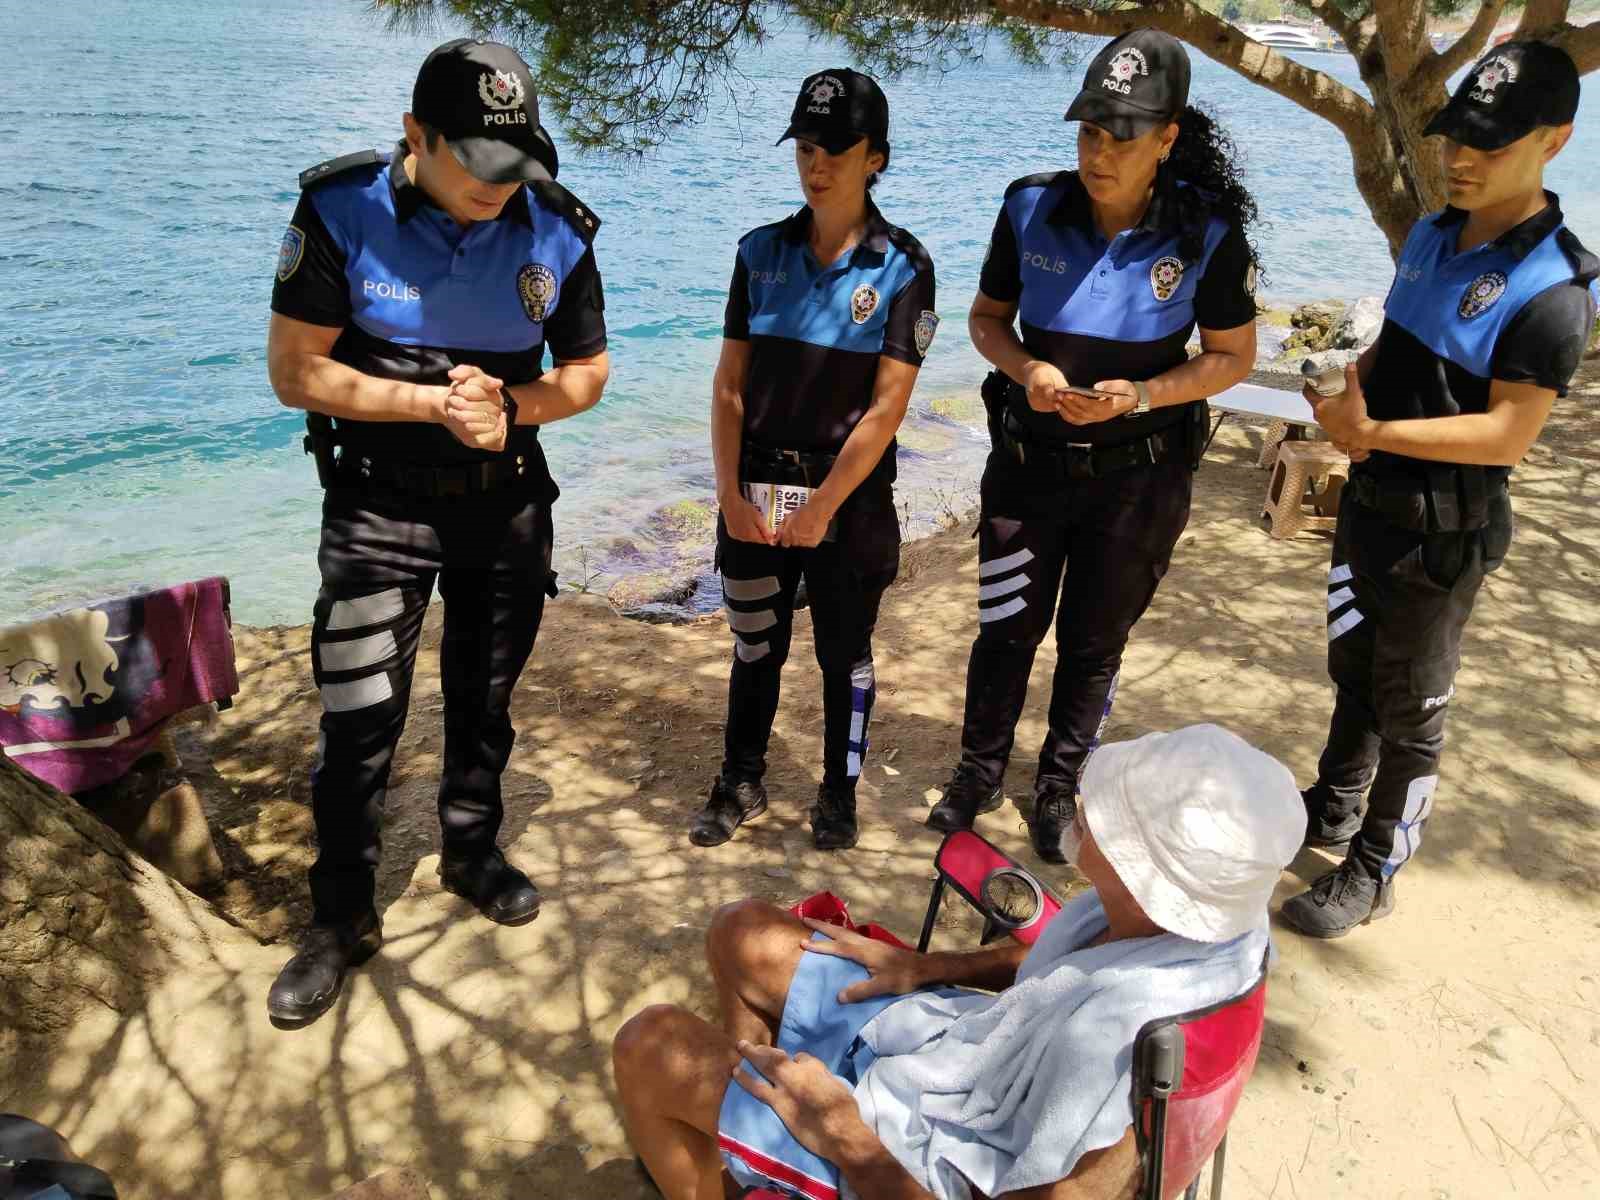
1189 1070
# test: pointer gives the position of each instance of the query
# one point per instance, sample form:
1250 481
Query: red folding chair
1189 1070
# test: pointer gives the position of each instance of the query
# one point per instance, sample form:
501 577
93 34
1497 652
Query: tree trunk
83 920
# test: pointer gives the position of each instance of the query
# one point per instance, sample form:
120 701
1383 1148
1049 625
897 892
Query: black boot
501 892
728 806
1326 831
1053 811
833 819
310 981
1338 902
964 798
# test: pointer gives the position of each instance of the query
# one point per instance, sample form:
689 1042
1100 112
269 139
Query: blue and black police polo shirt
415 294
816 332
1517 309
1117 309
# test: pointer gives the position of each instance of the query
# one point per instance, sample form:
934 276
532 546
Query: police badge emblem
1165 276
1495 72
290 251
536 286
1124 67
500 91
927 325
1481 295
863 303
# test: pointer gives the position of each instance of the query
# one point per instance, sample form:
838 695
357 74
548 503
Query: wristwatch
508 405
1142 404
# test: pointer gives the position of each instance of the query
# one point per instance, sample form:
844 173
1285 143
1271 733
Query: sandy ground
1450 1051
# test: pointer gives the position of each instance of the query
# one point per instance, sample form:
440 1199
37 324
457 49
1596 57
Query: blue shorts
756 1146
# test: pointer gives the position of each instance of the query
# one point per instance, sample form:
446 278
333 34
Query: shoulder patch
325 171
572 210
1042 180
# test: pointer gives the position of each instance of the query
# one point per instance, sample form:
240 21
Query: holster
1199 432
321 442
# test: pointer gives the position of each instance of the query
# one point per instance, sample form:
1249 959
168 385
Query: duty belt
1412 504
807 467
1084 460
433 483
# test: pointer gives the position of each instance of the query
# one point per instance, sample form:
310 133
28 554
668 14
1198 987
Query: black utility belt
766 464
1084 460
1453 500
432 483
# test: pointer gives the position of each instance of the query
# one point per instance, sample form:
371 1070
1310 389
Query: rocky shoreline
665 575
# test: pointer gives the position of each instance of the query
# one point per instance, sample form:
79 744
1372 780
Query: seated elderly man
848 1067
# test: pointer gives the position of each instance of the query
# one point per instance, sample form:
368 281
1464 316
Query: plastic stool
1306 473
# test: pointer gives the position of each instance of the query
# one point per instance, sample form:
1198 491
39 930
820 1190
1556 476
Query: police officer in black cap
1096 411
416 292
1483 328
829 315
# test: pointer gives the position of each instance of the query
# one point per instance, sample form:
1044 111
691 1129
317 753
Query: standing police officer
1484 326
1096 412
829 315
415 294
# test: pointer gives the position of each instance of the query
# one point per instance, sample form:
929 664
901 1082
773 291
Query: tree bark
83 920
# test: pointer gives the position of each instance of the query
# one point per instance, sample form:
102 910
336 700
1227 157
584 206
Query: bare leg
673 1070
753 948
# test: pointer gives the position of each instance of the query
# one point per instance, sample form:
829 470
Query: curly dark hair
1205 157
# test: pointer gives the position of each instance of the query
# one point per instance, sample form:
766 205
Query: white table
1253 400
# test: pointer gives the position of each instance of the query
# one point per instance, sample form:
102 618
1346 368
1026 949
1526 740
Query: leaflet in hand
775 501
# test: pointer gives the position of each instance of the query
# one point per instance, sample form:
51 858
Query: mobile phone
1087 393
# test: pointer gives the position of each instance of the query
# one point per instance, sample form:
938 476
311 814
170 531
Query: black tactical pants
845 579
1398 600
1113 536
379 558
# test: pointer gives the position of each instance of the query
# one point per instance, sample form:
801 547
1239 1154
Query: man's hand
1043 381
893 971
1344 417
1081 410
743 520
806 526
812 1102
475 410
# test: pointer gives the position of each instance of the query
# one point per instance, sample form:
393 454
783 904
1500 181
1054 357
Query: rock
670 586
159 814
964 407
1511 1044
1321 315
1360 325
924 438
683 519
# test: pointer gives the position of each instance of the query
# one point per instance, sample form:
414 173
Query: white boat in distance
1288 37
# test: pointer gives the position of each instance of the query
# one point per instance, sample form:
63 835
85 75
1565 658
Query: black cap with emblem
1138 81
836 109
480 95
1513 90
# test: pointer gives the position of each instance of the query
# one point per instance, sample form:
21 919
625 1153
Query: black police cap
836 109
480 95
1513 90
1138 81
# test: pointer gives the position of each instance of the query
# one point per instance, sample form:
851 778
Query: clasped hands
474 409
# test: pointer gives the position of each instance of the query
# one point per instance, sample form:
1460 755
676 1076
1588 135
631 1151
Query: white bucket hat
1198 824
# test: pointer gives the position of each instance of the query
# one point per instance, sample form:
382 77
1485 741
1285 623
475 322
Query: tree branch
1471 43
1322 95
1542 16
1403 37
1582 42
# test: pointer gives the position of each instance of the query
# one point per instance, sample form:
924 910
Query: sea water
148 159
